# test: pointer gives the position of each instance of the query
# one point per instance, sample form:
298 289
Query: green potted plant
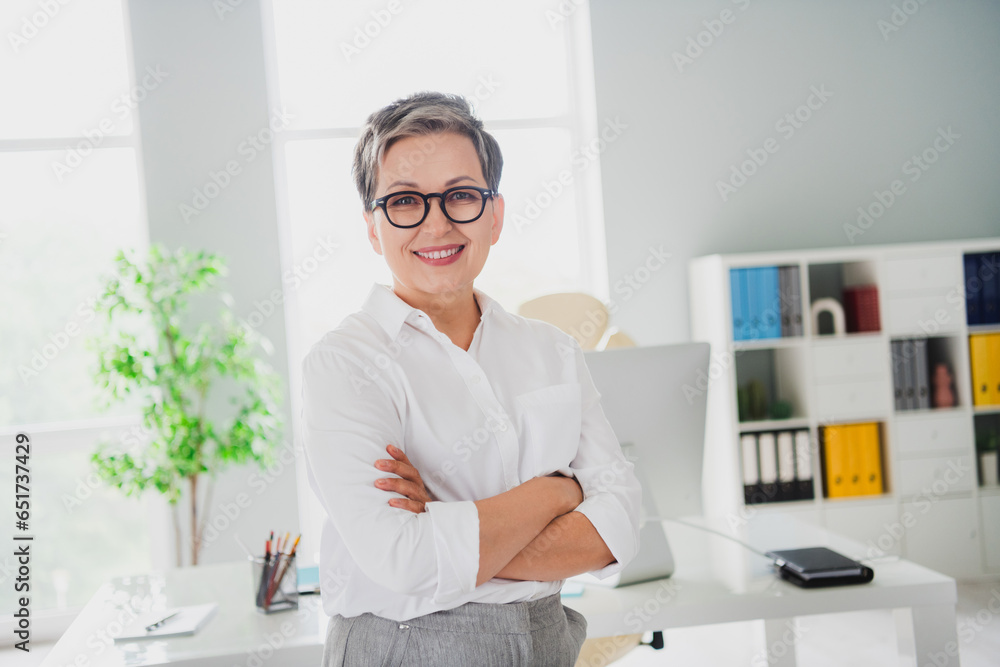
180 378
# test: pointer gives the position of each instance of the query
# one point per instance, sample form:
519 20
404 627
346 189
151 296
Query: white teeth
438 254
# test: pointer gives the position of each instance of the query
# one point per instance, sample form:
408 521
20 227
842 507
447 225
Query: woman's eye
461 195
405 200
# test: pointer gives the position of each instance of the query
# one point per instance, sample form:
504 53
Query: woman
460 451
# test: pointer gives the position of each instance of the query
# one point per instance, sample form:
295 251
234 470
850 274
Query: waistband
509 618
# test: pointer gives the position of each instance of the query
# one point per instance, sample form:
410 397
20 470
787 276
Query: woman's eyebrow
450 182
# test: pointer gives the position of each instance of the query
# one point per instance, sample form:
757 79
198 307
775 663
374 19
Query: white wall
213 97
688 125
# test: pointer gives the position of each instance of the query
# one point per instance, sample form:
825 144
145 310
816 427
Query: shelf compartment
987 430
928 373
984 364
854 288
777 466
923 433
767 378
927 314
766 302
853 460
936 476
982 287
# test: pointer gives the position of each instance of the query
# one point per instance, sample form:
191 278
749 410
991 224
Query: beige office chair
586 319
582 316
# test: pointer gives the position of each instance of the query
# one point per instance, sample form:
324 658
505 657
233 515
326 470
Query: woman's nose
436 222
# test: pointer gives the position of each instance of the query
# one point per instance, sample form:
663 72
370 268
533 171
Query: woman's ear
373 237
497 226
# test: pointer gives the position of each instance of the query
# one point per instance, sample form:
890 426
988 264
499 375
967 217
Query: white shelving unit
933 510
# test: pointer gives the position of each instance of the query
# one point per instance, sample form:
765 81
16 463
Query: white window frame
48 625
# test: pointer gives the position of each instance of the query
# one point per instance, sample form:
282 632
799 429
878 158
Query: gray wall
689 123
213 96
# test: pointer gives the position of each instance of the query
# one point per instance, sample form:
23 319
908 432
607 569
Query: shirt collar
391 312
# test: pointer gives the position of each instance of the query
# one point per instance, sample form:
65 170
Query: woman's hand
408 483
572 489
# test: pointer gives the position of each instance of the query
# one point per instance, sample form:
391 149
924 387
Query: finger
406 504
398 454
403 488
404 470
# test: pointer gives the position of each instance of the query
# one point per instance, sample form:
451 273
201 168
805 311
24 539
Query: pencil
277 580
262 586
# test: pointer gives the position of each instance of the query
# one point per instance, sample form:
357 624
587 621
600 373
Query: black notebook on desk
818 566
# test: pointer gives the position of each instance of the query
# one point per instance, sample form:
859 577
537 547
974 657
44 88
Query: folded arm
441 553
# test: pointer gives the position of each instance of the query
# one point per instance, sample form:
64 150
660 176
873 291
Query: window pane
508 58
71 512
57 239
65 67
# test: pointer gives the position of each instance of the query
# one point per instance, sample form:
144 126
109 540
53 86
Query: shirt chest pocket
549 427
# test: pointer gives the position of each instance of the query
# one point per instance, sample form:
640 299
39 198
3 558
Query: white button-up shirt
519 404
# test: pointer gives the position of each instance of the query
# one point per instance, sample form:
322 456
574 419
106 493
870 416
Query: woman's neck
455 314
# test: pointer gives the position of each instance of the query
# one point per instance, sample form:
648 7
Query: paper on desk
188 621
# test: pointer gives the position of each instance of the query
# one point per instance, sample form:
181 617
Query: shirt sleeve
348 419
612 495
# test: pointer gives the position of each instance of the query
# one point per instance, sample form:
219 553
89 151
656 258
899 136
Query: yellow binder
979 360
834 455
993 368
852 466
871 459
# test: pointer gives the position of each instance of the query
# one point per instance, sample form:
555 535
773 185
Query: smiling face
434 263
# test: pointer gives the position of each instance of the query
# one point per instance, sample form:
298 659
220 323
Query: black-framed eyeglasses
407 209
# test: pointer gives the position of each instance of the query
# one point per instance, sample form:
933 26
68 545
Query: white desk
716 582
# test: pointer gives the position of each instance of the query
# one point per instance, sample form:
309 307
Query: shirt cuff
456 543
615 527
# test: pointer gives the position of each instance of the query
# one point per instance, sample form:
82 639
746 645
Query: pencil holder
276 583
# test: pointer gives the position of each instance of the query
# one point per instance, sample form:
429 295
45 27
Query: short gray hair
418 115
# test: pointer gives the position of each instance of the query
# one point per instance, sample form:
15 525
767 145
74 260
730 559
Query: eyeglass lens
461 205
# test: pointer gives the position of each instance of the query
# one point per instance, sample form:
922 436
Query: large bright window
69 198
527 70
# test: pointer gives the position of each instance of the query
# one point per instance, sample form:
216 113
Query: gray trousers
539 633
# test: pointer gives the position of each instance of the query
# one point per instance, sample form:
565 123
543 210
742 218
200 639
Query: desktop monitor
655 399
